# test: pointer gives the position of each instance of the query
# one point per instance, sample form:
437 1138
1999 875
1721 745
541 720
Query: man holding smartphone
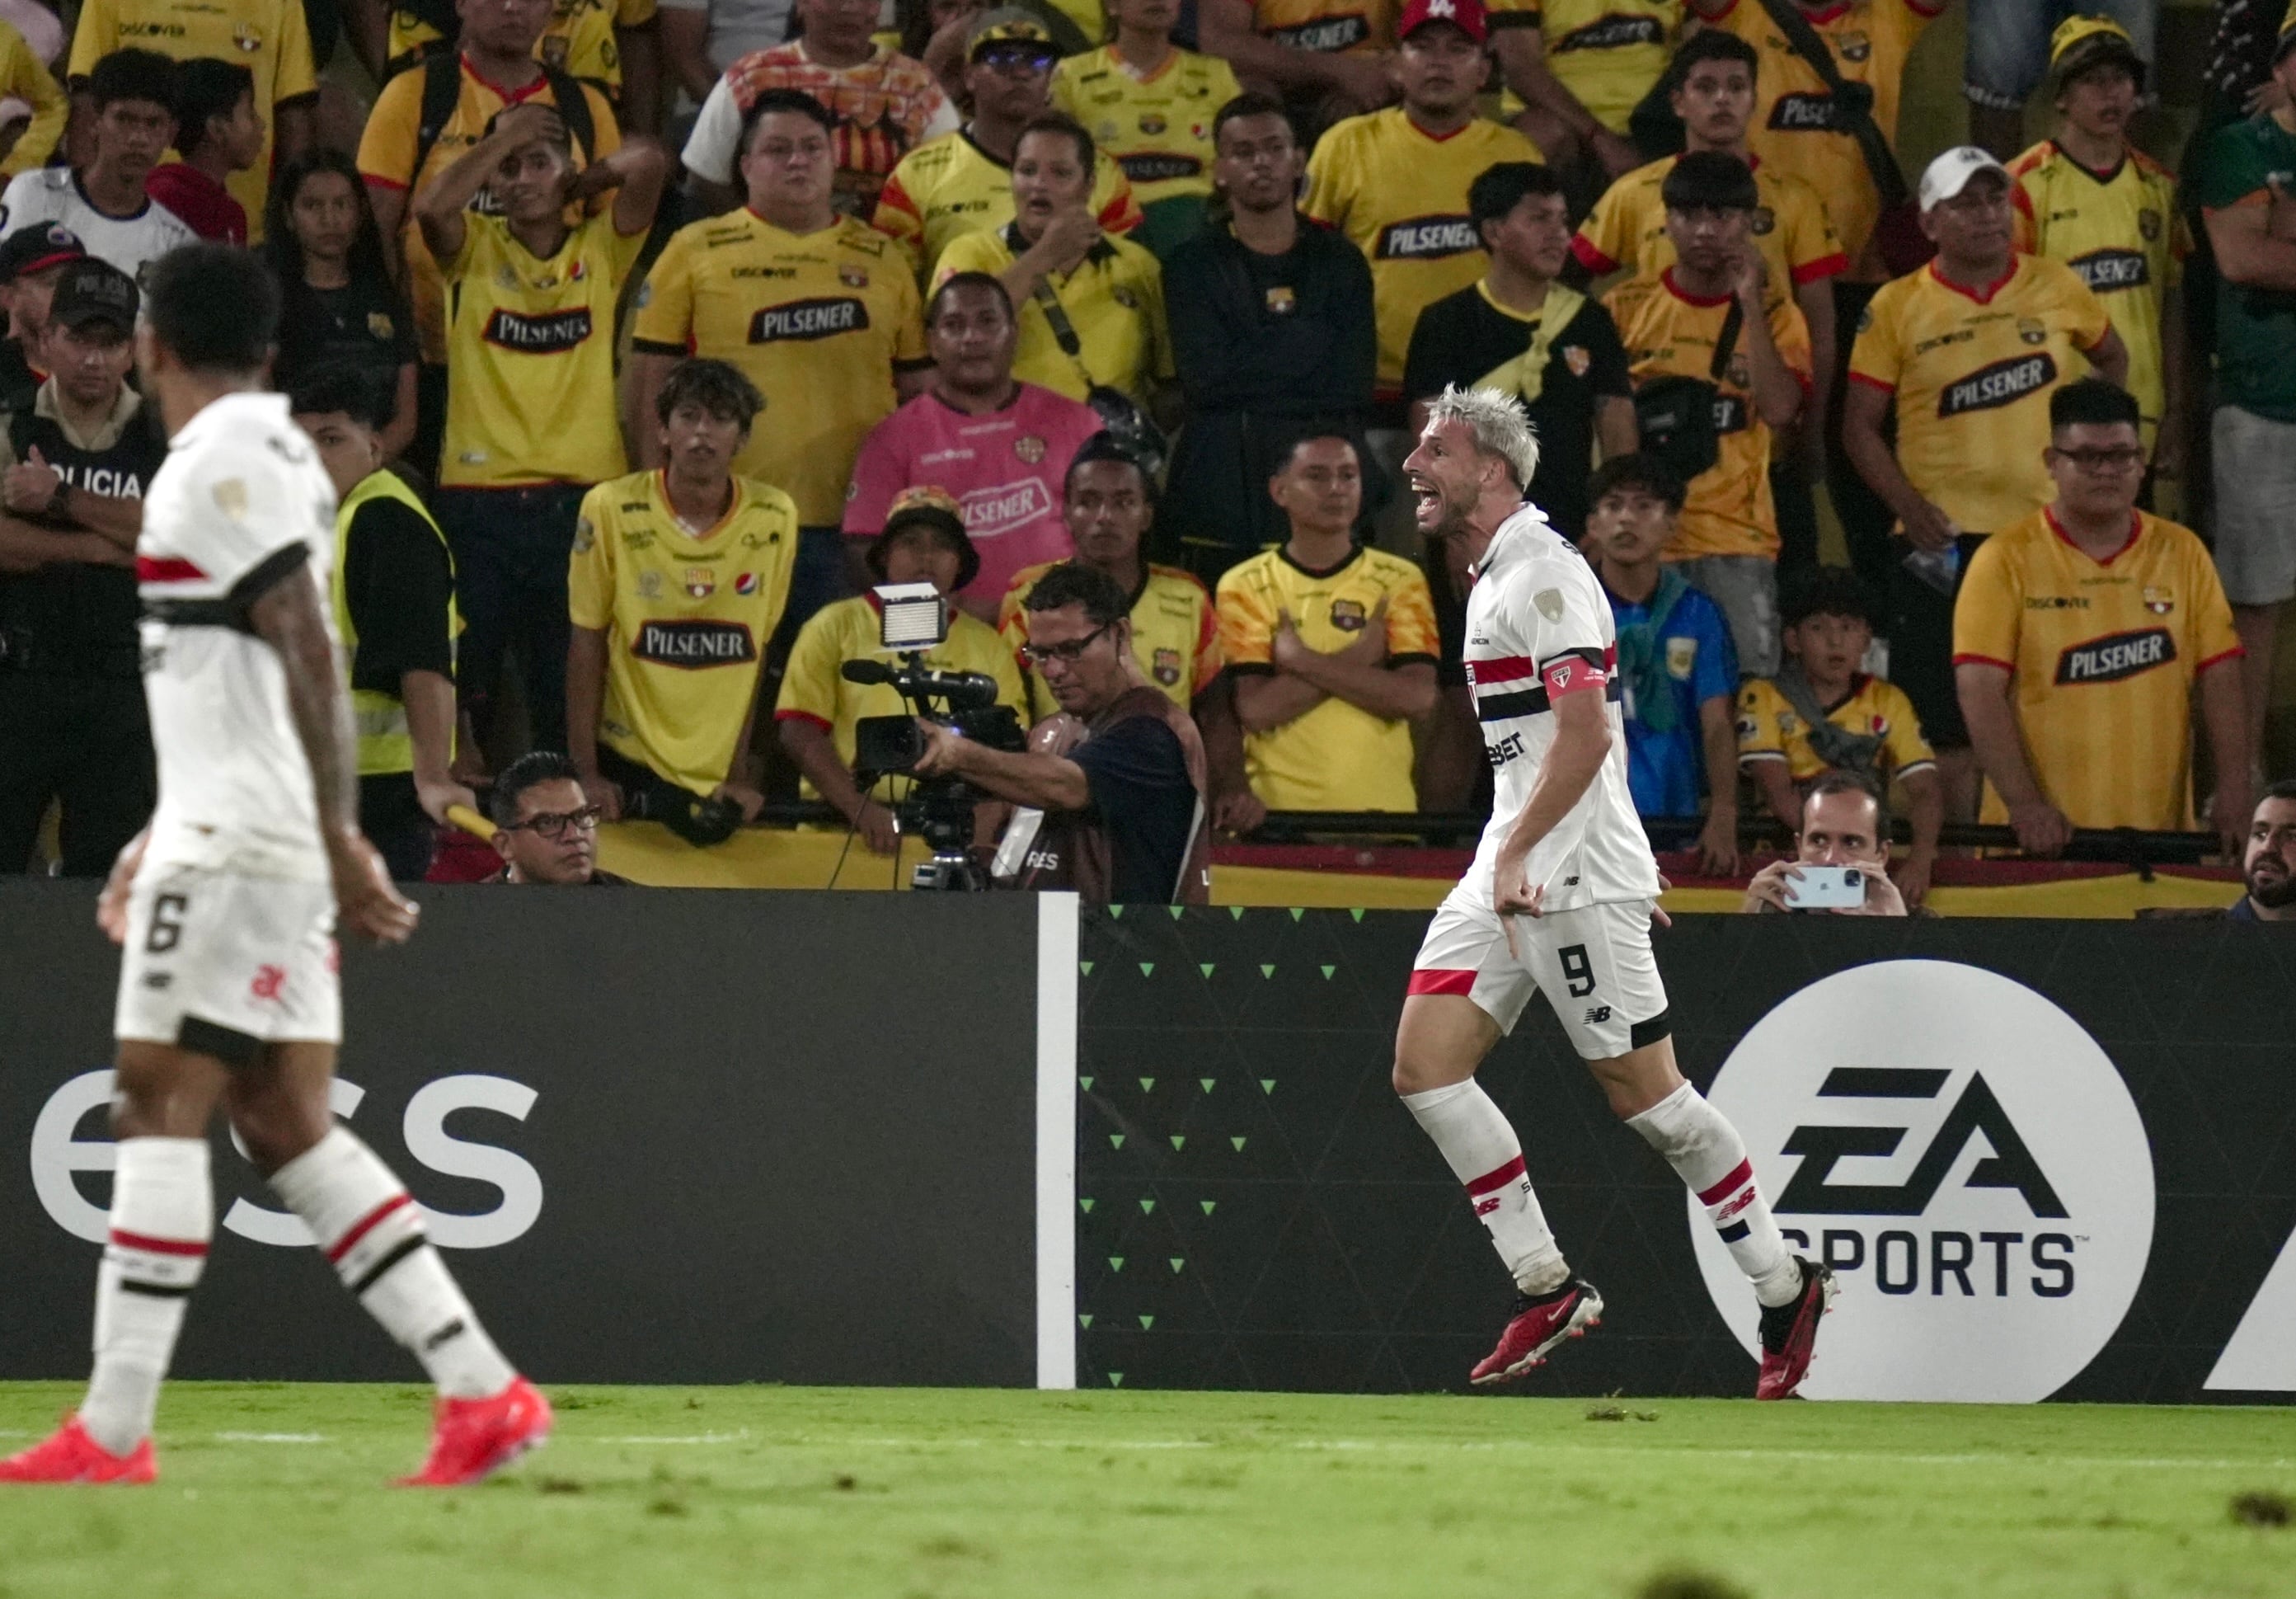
1845 829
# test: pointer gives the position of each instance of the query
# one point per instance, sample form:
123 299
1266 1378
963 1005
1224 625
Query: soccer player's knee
274 1129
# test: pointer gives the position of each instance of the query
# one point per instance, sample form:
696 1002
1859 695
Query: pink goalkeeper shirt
1006 469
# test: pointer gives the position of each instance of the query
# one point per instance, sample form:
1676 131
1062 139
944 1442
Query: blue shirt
1666 771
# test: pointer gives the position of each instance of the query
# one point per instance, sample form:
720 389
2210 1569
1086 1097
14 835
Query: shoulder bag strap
1734 322
1853 102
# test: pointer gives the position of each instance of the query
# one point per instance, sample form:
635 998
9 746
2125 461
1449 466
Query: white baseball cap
1950 173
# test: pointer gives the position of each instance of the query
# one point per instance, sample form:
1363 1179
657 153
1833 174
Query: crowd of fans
640 343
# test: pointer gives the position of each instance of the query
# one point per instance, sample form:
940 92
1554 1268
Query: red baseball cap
1468 16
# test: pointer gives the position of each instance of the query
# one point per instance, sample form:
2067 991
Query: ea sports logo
1966 1158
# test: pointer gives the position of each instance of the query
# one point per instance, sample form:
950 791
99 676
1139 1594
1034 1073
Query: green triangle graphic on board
1085 967
1147 968
1236 1144
1268 971
1146 1323
1298 912
1176 1263
1328 971
1085 1083
1207 1082
1267 1086
1147 1085
1116 1140
1088 1205
1115 912
1209 1204
1147 1207
1235 912
1085 1320
1206 968
1176 910
1116 1379
1357 913
1179 1141
1116 1263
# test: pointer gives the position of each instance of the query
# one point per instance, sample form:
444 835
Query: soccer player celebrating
254 850
1564 849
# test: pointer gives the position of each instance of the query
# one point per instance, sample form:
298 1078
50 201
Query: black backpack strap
574 111
442 90
1853 102
1734 322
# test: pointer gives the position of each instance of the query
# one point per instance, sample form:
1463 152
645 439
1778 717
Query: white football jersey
241 500
1539 626
54 195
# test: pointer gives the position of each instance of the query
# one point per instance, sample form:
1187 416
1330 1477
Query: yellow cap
2287 34
2080 43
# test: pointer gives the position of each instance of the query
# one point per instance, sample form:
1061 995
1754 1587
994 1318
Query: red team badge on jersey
269 981
701 582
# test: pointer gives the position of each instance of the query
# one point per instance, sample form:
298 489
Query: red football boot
1538 1325
72 1456
1790 1332
473 1439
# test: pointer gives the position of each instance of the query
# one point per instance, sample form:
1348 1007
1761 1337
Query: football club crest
1167 667
1152 124
1576 357
1125 297
554 51
380 325
701 582
1349 615
1764 221
586 537
1029 447
1549 604
246 38
851 275
1681 657
1854 46
2148 223
2159 601
2031 331
1281 301
746 584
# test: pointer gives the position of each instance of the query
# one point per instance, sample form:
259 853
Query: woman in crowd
338 305
1091 303
1150 103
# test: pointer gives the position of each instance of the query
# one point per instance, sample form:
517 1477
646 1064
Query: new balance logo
2011 1165
1597 1014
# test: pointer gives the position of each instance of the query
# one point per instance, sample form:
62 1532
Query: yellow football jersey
949 186
2122 232
1158 128
25 77
1628 227
1607 52
386 158
1794 121
689 614
1337 756
1175 633
579 40
1331 26
819 321
1972 375
1114 300
2105 655
814 690
268 37
1769 729
1668 334
1401 195
530 378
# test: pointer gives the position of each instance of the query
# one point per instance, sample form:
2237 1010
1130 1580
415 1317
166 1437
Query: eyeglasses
553 824
2103 460
1037 654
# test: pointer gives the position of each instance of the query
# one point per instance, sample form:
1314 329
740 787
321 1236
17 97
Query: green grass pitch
276 1489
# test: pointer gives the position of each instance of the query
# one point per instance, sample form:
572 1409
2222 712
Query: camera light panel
913 615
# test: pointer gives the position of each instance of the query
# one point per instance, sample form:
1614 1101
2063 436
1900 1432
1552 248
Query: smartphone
1827 888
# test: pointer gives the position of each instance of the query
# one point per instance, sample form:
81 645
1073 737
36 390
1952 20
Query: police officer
76 461
393 593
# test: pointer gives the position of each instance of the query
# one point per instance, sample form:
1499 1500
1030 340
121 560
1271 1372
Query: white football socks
371 1231
1484 1154
162 1216
1706 1152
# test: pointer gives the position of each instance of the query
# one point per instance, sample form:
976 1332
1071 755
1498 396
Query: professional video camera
914 618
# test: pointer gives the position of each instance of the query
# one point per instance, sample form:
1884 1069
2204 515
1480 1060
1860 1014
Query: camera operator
1118 776
1845 821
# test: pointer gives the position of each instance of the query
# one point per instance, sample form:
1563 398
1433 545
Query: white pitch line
271 1438
695 1437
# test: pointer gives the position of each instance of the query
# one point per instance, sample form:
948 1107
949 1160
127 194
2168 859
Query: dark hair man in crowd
1271 319
392 590
2269 867
219 132
545 830
1676 662
104 201
1845 821
1117 778
73 726
1521 330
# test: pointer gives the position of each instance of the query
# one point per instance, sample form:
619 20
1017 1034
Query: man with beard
2270 869
1564 849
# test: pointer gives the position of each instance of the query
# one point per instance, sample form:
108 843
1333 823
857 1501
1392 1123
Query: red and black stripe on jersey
1542 680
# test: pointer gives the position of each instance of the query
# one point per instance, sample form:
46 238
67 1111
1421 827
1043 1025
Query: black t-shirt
1138 775
364 324
398 579
1464 339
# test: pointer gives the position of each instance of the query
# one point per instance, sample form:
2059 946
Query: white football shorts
1594 965
225 964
